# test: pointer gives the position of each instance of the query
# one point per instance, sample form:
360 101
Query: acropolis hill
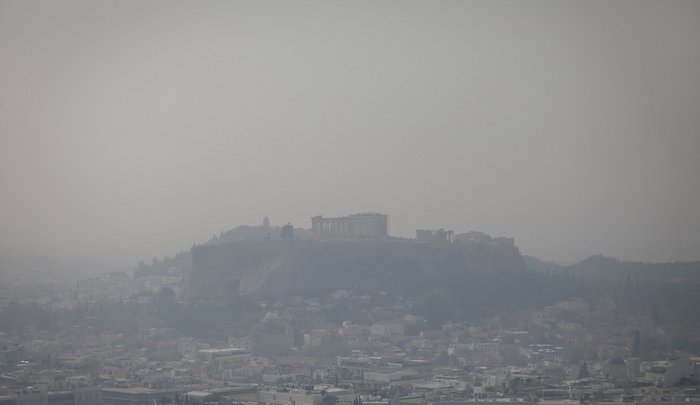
439 275
348 252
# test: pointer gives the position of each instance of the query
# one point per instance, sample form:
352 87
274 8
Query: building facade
352 227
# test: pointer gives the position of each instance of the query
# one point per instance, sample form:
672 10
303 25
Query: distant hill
469 280
611 269
542 266
314 268
605 268
445 281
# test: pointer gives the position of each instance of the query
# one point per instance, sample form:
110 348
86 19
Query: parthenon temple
357 226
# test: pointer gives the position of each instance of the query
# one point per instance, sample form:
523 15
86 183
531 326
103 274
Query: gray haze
131 129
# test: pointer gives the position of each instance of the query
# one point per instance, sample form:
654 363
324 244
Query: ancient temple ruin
352 227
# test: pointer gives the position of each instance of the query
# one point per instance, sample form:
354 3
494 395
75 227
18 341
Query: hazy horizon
130 130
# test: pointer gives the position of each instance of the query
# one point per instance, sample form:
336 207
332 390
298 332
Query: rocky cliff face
272 268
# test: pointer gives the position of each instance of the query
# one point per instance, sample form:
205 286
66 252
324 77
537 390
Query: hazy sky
131 129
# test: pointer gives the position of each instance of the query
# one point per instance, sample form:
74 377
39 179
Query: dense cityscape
313 202
166 334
